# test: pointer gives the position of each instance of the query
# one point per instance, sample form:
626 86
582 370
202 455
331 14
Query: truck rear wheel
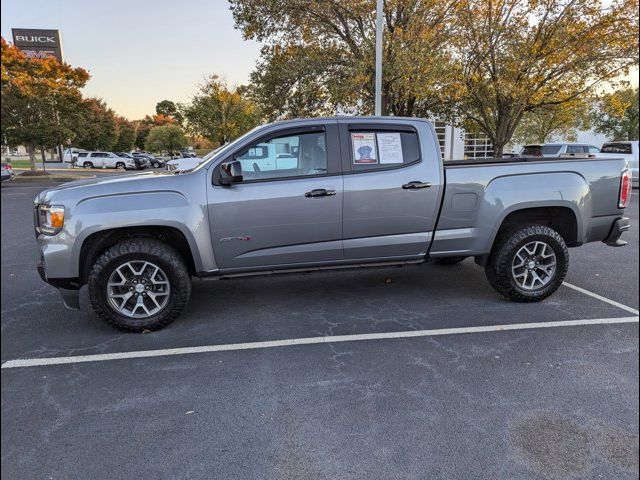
139 284
528 263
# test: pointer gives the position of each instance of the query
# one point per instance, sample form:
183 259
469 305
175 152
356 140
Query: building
458 144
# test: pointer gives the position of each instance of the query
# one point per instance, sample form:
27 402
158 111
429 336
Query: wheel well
98 242
561 219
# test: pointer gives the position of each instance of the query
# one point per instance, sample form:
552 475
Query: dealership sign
37 43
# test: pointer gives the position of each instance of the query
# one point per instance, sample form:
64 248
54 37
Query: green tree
98 130
169 138
169 109
561 122
616 114
40 101
517 57
319 56
219 113
126 135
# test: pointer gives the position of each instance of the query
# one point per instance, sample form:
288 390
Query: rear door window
381 149
616 148
550 149
576 149
532 150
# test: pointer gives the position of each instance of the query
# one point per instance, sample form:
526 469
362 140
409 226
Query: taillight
625 189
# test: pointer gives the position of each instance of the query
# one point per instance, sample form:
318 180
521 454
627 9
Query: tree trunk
31 149
44 158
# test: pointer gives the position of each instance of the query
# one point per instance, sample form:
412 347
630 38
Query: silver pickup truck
322 193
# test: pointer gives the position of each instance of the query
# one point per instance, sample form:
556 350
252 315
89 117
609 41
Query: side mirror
230 173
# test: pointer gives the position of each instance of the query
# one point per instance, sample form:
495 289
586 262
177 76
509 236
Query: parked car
105 160
138 165
151 160
364 192
558 150
71 154
158 162
186 153
625 149
7 171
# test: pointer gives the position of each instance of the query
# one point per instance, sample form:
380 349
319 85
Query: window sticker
364 148
390 148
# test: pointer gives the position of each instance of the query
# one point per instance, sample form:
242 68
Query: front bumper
68 287
620 226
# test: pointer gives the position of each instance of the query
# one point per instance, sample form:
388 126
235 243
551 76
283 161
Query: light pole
378 107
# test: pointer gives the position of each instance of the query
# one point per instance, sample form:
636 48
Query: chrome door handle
320 192
416 185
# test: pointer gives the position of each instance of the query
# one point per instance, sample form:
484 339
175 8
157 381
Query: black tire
156 165
87 165
140 249
120 166
499 272
449 260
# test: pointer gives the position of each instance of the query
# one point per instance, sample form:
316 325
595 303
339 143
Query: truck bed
492 161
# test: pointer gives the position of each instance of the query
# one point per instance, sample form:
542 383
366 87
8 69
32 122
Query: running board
223 276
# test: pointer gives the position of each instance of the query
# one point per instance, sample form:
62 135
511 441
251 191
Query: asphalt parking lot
528 403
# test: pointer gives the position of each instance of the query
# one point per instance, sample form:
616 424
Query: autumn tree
616 114
559 122
40 100
169 138
517 57
319 56
220 113
168 108
126 135
98 126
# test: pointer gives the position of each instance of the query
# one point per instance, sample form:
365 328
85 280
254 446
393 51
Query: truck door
280 217
392 188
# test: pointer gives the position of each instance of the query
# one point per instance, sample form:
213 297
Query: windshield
616 148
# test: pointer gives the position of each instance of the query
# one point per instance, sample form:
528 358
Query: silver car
558 150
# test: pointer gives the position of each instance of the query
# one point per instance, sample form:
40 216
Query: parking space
534 403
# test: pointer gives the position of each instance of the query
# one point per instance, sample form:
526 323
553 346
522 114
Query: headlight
50 219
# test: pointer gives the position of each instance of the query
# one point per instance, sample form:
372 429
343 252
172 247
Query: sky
139 52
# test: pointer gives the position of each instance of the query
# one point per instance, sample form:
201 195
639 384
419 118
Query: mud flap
71 298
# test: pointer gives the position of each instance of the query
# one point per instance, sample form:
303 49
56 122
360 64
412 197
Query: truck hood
72 192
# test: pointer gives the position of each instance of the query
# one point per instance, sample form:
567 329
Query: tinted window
576 149
616 148
550 149
532 150
376 150
593 149
98 154
274 158
82 154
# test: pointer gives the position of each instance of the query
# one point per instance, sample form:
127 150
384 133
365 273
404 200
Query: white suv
105 160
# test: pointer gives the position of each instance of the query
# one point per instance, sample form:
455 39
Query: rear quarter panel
479 197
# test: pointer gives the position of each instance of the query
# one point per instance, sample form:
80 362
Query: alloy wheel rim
534 265
138 289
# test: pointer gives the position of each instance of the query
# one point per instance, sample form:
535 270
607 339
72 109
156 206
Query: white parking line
601 298
103 357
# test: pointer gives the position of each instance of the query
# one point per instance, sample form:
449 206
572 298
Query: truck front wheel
139 284
528 263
